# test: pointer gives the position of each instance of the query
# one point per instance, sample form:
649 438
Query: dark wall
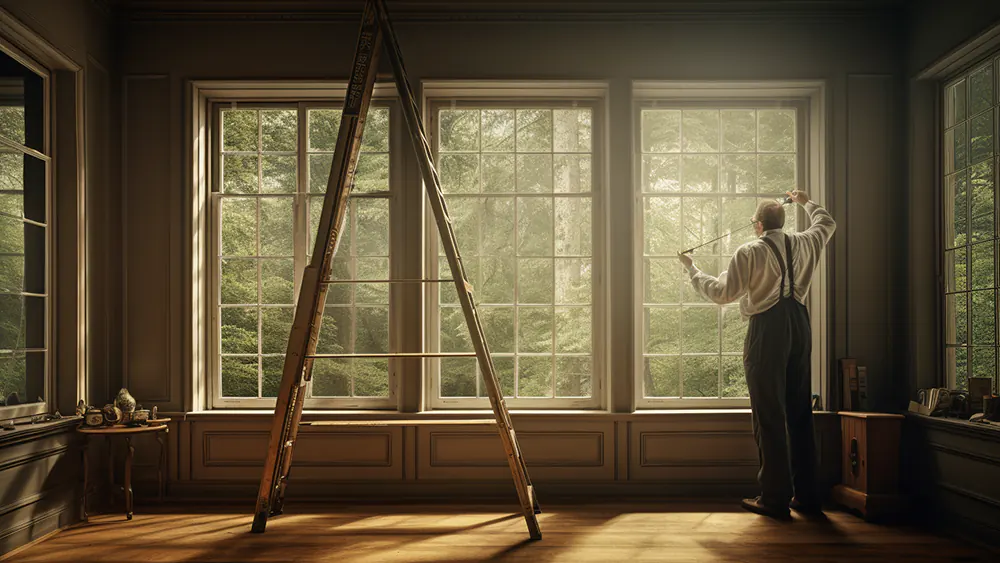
859 57
40 471
936 28
40 482
952 469
952 465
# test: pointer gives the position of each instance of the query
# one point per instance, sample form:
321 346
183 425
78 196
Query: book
849 374
862 386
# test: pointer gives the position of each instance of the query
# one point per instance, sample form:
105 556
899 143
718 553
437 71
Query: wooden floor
577 533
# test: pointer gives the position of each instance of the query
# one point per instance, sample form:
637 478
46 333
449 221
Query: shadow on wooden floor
630 533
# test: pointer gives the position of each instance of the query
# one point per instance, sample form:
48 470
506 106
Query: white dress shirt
754 276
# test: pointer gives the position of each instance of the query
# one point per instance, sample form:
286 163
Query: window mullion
300 211
680 319
260 281
353 210
517 278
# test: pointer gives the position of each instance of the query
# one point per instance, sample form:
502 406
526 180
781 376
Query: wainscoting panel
950 468
563 451
40 482
233 451
639 455
152 371
695 450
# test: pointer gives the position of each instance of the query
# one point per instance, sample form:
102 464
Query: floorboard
452 533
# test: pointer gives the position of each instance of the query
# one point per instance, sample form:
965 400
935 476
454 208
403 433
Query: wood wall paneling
235 452
559 451
692 450
951 472
870 135
149 195
101 263
40 484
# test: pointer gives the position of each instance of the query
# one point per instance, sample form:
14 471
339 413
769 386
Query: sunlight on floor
380 534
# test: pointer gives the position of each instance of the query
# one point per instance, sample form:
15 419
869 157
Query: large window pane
728 155
528 257
970 110
24 250
267 224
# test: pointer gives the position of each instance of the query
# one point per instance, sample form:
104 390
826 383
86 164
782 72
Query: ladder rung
398 355
417 280
401 422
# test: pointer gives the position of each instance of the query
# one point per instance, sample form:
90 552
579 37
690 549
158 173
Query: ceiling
512 10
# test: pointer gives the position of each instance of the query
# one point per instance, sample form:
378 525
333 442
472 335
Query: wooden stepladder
376 33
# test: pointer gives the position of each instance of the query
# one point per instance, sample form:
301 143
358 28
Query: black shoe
806 508
758 506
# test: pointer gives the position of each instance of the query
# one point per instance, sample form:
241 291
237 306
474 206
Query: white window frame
948 217
30 407
207 97
523 94
807 94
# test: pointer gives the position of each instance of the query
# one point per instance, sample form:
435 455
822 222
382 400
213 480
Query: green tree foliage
13 319
970 189
257 282
703 173
518 185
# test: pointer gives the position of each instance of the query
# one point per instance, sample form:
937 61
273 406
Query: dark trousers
776 357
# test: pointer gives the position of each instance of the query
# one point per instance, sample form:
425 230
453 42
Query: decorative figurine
125 401
140 416
94 417
112 414
152 414
81 408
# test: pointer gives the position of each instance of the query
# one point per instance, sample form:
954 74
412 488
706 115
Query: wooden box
870 463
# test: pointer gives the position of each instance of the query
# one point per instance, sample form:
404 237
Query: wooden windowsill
28 431
957 425
641 415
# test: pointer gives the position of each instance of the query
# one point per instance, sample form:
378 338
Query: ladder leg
277 505
312 294
519 472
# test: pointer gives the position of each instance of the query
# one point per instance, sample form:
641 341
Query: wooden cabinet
870 463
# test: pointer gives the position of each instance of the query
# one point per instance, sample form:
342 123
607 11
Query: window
701 169
24 238
969 166
522 187
273 164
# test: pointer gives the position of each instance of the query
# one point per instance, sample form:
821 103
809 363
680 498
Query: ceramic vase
125 401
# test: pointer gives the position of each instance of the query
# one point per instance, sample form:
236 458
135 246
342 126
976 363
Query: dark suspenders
781 263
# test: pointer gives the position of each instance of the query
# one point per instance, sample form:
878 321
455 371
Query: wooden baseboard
7 556
58 514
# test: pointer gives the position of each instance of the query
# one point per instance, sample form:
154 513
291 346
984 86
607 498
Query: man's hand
685 259
798 197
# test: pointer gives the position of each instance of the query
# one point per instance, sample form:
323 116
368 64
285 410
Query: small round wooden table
157 426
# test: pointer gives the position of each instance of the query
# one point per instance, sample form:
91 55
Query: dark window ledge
28 432
958 426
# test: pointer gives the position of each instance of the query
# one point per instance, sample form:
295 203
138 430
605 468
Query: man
771 276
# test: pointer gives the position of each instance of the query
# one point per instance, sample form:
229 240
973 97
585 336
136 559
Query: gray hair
770 214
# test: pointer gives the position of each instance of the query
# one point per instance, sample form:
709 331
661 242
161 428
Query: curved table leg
128 477
161 438
111 465
83 453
